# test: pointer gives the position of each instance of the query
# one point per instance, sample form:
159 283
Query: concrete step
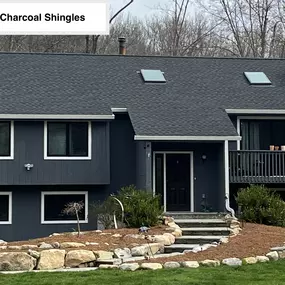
197 239
195 215
201 223
179 247
210 231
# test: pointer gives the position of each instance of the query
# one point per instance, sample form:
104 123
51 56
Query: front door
177 182
172 180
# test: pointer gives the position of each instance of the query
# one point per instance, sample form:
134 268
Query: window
155 76
5 207
257 78
53 203
260 134
66 140
6 140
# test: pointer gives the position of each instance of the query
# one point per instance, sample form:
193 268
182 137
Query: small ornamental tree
74 208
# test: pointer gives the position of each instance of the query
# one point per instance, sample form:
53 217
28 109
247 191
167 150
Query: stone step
201 223
197 239
221 231
179 247
195 215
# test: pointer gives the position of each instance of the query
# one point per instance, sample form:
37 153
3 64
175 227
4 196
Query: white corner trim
119 110
12 143
256 111
44 193
227 178
55 117
238 131
187 138
89 157
9 222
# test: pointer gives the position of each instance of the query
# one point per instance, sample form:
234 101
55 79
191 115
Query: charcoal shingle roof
191 103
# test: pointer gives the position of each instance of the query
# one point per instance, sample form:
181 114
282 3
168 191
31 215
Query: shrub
261 205
141 207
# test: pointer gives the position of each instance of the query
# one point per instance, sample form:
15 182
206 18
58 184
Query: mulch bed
105 240
253 240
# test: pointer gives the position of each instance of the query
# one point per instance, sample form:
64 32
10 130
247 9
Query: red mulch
253 240
105 240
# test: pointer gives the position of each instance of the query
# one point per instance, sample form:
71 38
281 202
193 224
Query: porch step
209 231
179 247
197 239
200 223
195 215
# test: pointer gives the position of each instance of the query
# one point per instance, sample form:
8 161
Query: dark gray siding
29 141
26 214
233 144
123 153
208 174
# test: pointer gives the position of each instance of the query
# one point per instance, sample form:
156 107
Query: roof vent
153 76
257 78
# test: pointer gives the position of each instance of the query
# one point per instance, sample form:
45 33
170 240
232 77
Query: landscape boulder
250 260
51 259
210 263
72 245
3 242
171 265
129 266
151 266
76 257
262 259
102 254
35 254
29 246
273 255
147 249
44 245
16 261
190 264
108 266
122 253
233 262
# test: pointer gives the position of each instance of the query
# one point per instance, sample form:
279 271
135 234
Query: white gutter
256 111
55 117
187 138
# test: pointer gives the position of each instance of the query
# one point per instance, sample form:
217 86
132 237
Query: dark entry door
178 182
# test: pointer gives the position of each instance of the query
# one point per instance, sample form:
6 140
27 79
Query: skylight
257 78
152 75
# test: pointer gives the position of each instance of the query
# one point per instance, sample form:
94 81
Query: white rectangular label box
49 17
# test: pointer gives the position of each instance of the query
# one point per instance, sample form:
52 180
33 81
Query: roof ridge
136 56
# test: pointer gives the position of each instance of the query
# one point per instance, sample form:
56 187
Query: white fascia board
256 111
55 117
119 110
187 138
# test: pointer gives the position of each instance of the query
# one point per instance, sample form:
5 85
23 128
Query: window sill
6 223
64 222
6 157
67 158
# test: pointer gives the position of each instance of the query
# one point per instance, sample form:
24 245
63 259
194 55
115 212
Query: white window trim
89 157
239 118
9 222
44 193
11 156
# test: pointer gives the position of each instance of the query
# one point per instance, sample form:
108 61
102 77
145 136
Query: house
77 127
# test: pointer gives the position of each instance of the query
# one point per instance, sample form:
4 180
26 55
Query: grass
263 274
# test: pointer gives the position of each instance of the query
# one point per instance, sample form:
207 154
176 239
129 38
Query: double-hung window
68 140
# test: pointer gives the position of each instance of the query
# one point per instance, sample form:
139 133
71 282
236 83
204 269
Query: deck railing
257 166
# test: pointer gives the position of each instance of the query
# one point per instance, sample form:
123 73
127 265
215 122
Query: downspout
227 179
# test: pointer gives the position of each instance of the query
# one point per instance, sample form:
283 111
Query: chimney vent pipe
122 46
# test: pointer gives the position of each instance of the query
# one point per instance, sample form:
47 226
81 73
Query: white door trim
191 153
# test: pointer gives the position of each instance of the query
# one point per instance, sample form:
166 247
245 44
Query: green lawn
272 273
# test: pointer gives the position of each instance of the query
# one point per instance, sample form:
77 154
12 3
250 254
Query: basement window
153 76
5 207
257 78
53 203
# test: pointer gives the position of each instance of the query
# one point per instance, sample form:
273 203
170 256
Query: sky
139 8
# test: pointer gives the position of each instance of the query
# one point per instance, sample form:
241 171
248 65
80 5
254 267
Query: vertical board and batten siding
29 148
208 174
